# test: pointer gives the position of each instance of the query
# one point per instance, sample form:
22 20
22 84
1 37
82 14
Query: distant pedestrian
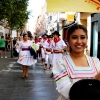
37 43
42 43
6 46
9 44
19 40
48 55
14 47
3 47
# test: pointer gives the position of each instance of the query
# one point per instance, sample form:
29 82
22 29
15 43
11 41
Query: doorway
95 38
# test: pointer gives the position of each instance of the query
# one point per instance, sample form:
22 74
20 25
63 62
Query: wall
2 31
14 34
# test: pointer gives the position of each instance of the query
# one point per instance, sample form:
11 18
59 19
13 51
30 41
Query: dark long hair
73 28
24 34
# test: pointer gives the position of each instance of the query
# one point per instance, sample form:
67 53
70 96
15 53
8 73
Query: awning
73 6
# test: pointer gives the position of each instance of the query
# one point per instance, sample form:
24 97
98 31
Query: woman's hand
97 76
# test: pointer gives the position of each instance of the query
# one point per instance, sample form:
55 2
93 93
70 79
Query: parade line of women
66 69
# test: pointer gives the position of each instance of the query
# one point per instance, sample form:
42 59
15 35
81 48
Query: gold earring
86 49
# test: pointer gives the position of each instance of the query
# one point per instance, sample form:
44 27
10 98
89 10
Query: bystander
2 47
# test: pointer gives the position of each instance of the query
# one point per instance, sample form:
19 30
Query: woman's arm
97 65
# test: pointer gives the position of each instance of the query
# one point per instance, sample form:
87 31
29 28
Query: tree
19 15
15 12
5 8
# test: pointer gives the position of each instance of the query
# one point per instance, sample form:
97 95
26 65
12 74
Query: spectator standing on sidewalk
6 43
9 43
14 47
2 47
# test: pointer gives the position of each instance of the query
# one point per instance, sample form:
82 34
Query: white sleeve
37 46
20 44
63 43
61 77
97 63
41 42
31 43
51 45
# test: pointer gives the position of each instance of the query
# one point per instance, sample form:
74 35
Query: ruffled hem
28 61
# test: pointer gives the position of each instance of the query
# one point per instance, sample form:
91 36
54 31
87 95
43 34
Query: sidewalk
39 85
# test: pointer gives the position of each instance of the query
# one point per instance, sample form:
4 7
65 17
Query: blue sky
35 8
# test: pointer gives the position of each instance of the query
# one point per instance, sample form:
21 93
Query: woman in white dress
48 55
57 46
76 65
42 43
25 58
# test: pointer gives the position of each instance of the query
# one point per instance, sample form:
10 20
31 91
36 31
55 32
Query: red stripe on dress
60 78
61 73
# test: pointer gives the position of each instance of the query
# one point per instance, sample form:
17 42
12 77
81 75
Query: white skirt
43 53
25 58
56 56
48 59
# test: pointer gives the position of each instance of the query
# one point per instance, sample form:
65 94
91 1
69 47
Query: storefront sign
70 17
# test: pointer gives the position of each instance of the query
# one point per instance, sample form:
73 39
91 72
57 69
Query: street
39 85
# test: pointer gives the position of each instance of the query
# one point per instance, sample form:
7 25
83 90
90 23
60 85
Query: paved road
39 86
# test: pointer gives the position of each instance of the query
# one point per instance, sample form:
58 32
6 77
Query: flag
34 46
73 6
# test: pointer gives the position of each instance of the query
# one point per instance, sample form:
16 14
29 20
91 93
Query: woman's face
25 37
49 39
78 41
45 36
20 38
55 36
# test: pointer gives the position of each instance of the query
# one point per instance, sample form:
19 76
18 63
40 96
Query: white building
2 31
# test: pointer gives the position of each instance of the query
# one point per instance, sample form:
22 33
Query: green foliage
15 12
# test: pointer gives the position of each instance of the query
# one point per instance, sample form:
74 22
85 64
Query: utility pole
11 45
58 21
